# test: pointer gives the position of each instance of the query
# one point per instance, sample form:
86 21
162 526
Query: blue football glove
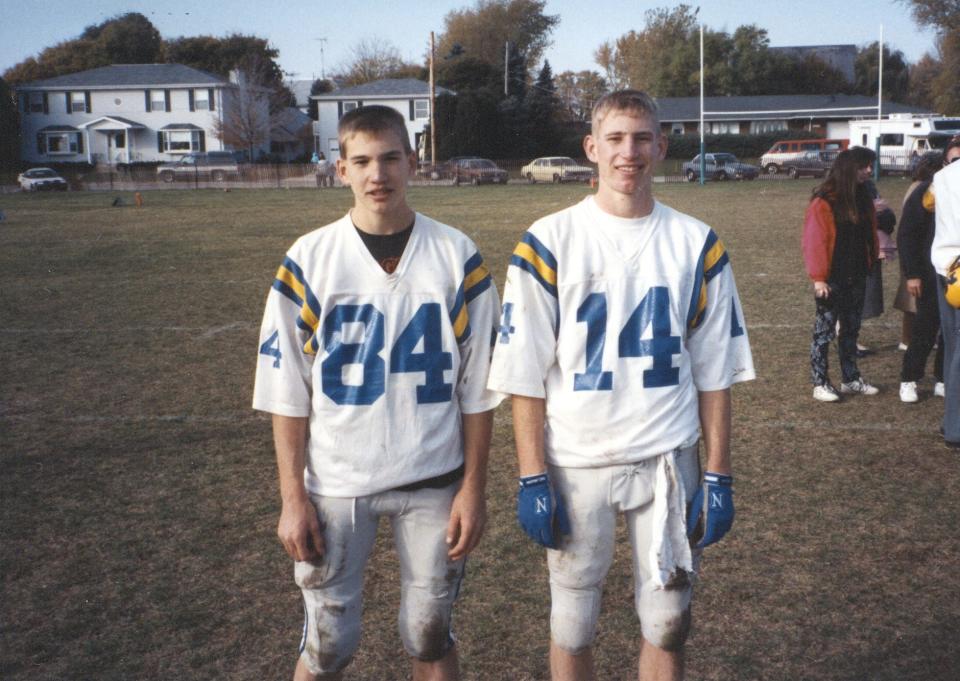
711 511
540 510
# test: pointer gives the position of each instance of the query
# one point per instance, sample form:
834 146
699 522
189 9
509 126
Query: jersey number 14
653 311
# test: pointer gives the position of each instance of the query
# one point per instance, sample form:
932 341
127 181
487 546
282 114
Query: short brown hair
633 101
372 119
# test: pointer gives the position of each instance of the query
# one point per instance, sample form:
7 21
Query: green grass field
139 503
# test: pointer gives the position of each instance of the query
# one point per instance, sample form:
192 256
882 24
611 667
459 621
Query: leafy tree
896 73
482 31
462 73
660 59
578 91
374 59
9 128
940 85
125 39
922 77
941 15
541 109
663 59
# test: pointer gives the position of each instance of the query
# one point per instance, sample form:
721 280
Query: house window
158 101
349 106
181 141
78 102
421 108
35 104
63 143
201 100
723 127
676 129
758 127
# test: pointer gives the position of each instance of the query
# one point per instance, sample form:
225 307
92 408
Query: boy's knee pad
573 616
331 634
424 625
668 631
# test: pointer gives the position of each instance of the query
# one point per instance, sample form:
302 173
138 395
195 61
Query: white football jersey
619 323
382 364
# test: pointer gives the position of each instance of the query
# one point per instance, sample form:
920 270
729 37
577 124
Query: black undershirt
387 249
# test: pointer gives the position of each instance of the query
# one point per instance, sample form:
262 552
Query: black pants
926 328
844 305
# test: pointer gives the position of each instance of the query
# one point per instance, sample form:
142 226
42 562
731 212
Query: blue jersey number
654 312
365 353
271 348
432 361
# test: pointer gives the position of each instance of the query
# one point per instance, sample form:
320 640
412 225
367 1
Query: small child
374 352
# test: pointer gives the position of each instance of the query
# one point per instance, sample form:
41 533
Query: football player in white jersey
620 336
374 353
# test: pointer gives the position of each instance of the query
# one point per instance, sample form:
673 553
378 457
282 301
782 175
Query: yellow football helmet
953 283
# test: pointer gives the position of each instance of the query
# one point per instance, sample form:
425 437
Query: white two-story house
126 113
409 96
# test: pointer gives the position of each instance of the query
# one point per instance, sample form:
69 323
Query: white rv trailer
903 138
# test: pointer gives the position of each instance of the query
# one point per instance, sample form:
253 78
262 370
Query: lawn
138 498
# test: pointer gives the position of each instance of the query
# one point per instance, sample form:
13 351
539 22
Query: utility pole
433 101
322 41
506 69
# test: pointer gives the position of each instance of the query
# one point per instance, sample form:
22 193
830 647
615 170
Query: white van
783 153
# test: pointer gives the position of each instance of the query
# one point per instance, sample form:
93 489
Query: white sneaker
825 393
858 387
902 347
908 391
938 389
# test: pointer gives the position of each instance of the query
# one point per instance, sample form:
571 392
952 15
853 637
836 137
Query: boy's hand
540 511
468 518
299 530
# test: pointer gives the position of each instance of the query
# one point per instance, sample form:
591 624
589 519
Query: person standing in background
920 280
840 247
945 255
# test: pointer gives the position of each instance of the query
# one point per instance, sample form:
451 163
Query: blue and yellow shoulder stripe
713 258
291 283
476 280
532 256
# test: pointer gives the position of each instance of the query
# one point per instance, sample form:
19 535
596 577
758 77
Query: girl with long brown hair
839 248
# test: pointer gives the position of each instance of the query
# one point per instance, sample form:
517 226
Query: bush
742 146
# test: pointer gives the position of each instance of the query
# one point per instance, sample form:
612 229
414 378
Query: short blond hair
633 101
372 119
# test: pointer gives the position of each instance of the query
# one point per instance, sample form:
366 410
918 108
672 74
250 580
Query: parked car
720 167
210 165
810 163
479 171
556 169
41 179
782 152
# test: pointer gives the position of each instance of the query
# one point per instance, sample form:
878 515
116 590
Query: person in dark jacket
839 248
913 242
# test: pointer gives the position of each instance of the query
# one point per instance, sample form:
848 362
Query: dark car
479 171
41 180
720 167
810 164
210 165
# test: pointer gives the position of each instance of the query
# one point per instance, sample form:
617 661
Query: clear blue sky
294 26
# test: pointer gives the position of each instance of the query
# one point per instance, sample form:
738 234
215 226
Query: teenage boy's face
626 148
377 170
